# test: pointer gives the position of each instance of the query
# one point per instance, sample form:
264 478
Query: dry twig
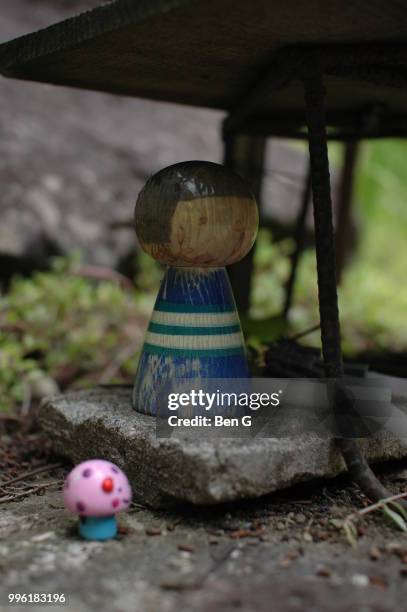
397 516
44 468
37 489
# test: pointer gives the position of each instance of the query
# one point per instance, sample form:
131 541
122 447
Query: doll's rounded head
196 214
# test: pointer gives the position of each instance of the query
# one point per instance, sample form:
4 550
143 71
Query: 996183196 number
36 598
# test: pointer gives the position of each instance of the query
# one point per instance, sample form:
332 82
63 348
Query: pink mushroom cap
96 488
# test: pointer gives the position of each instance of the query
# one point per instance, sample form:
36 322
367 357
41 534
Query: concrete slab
101 423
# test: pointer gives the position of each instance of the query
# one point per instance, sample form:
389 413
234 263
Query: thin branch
44 468
376 505
9 498
305 332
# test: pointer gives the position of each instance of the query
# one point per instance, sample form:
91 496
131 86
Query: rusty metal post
324 233
325 254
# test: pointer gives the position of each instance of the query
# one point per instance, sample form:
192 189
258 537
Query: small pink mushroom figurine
97 490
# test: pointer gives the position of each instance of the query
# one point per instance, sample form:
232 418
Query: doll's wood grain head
196 214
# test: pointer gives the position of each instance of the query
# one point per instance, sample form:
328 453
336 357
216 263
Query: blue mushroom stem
98 527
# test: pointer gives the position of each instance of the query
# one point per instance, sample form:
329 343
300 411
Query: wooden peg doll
196 217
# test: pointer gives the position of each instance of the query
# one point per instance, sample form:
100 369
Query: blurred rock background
73 161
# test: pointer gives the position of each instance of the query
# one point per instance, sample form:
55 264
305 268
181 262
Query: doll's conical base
194 334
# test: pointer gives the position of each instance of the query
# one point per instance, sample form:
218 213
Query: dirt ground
282 552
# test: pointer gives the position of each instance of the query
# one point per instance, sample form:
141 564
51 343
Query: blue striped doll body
194 333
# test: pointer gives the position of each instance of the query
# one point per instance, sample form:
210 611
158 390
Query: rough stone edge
172 471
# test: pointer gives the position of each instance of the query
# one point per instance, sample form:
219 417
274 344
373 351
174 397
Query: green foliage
394 517
58 325
271 270
393 510
351 533
149 272
15 372
373 293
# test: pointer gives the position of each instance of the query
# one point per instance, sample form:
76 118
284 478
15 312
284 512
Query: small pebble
300 518
375 553
395 548
186 548
379 582
153 531
323 571
307 537
360 580
124 530
43 536
293 554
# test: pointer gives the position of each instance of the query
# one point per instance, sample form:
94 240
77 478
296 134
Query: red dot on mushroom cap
107 485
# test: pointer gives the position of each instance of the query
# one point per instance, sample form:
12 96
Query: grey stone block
182 469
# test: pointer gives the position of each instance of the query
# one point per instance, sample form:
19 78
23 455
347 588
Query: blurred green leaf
265 330
57 326
394 517
398 508
351 533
